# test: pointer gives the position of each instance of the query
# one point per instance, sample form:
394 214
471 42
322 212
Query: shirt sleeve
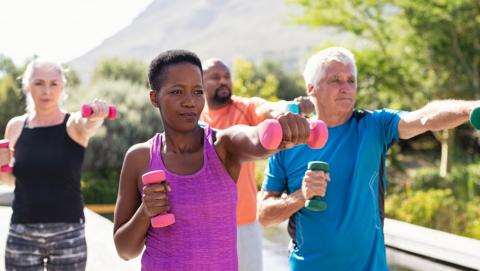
275 177
253 104
388 120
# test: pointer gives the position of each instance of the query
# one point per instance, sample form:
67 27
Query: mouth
189 115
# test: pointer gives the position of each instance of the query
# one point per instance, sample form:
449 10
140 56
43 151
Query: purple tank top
204 204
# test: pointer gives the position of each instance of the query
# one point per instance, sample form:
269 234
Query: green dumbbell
475 118
317 203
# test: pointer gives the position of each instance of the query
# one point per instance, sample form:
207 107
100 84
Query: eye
199 92
175 91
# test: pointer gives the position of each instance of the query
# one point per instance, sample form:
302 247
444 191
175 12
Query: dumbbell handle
4 143
87 111
162 220
292 107
317 203
271 134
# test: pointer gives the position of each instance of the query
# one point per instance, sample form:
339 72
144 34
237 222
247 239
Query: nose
225 80
188 101
347 87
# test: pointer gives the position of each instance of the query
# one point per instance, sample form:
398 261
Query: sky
61 30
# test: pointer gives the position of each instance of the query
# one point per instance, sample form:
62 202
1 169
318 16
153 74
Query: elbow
263 218
126 254
127 251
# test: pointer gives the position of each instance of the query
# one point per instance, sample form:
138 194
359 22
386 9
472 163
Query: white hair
315 67
28 76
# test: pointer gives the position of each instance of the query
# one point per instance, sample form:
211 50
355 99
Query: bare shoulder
139 152
14 128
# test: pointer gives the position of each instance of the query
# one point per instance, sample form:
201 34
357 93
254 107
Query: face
180 97
45 87
335 90
218 83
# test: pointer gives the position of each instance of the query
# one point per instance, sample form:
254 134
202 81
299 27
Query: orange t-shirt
240 111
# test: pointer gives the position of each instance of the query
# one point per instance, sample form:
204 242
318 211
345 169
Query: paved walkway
101 249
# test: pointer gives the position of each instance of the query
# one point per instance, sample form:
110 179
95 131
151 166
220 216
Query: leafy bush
12 102
436 209
137 121
100 189
464 181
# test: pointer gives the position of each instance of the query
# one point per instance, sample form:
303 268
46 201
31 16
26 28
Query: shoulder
139 150
14 127
248 101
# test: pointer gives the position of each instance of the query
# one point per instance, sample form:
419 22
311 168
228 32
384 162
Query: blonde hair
315 67
28 76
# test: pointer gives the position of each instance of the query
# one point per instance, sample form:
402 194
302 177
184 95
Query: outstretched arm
435 116
242 143
270 110
82 129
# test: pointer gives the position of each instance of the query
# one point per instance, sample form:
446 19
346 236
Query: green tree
418 50
11 99
131 70
268 80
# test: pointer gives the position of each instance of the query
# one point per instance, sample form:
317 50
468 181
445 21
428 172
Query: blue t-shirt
349 234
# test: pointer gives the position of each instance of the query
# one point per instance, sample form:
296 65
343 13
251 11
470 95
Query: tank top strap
208 142
155 162
65 119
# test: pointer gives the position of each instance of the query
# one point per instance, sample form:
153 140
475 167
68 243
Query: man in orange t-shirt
221 111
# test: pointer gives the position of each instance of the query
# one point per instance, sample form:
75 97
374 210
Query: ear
310 90
153 98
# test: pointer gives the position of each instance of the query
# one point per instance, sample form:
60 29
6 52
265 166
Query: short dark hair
166 59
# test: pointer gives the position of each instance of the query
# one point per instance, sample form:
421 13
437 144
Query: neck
333 120
47 117
179 142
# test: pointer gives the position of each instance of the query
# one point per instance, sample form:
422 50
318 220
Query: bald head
217 82
212 62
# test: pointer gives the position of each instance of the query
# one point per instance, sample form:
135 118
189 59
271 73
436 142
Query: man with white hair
221 111
348 235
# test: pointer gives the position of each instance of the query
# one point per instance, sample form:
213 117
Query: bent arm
12 133
131 222
274 208
435 116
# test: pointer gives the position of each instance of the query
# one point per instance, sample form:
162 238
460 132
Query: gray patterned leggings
54 246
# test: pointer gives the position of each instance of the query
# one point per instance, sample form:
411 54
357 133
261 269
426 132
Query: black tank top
47 172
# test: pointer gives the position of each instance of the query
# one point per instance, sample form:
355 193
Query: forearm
274 210
90 126
7 178
436 116
130 237
447 114
270 110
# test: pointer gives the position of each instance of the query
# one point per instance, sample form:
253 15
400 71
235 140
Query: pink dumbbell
271 134
153 177
87 111
4 143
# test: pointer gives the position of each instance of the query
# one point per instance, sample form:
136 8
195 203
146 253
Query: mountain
213 28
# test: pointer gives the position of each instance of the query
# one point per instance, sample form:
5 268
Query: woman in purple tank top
201 166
